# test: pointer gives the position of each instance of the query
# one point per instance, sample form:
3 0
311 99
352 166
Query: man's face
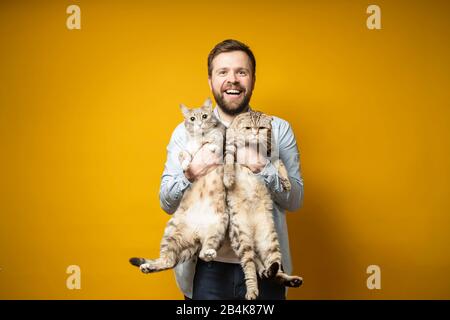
232 81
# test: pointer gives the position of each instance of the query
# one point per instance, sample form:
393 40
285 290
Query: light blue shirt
174 183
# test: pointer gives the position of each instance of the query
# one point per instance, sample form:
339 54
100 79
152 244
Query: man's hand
202 162
250 158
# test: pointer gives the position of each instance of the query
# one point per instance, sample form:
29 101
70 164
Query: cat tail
137 261
287 280
184 256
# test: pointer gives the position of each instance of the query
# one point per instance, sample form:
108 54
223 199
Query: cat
251 227
201 220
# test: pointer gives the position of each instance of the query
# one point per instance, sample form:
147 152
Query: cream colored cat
201 220
251 226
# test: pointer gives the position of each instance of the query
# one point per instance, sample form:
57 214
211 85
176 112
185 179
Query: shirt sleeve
173 180
288 153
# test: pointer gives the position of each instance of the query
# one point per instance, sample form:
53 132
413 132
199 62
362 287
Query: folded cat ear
184 110
208 104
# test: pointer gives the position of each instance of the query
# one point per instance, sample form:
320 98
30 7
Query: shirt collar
216 113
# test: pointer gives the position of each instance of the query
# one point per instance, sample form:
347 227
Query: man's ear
184 110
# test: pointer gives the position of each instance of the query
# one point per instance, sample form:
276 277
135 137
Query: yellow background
86 115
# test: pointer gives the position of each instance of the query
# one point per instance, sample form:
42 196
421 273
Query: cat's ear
208 104
184 110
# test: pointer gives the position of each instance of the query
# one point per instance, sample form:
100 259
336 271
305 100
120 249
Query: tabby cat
201 220
251 227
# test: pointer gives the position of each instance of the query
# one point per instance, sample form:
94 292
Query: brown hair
228 46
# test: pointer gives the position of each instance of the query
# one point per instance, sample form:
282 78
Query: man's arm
289 154
173 180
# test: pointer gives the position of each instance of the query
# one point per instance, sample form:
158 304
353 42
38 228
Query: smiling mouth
233 92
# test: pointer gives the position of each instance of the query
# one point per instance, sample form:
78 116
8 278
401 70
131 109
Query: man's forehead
233 59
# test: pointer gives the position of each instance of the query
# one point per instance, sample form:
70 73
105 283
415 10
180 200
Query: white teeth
233 91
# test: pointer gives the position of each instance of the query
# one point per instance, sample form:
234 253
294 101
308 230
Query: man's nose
232 78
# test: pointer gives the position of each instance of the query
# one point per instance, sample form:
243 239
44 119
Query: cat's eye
248 128
192 118
204 116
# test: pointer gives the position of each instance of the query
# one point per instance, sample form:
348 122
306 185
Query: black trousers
226 281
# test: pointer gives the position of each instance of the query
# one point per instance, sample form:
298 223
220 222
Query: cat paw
185 165
146 268
228 180
212 148
251 294
208 255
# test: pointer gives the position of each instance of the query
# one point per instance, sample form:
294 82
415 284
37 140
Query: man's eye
222 73
242 73
204 116
192 119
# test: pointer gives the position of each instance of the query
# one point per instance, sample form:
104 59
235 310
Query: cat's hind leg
268 247
242 244
184 255
216 233
260 269
148 265
175 241
172 246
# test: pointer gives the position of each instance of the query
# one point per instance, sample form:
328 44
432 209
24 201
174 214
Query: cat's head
198 120
254 126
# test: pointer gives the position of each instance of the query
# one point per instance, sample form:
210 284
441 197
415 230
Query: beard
232 108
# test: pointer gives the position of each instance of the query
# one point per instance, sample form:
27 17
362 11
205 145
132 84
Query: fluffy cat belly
248 184
201 215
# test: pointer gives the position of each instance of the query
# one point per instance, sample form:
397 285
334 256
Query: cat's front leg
213 142
228 169
228 175
230 152
185 159
193 146
213 148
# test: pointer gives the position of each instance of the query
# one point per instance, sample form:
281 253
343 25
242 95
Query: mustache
233 86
